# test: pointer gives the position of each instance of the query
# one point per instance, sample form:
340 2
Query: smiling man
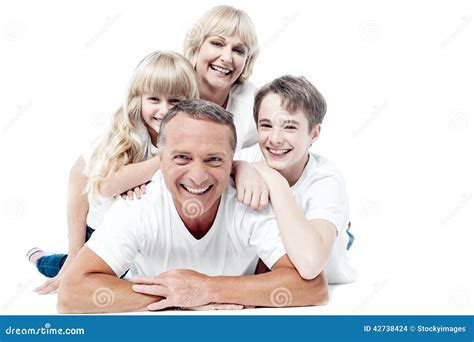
189 239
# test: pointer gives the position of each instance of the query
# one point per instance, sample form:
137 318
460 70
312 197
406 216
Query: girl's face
154 108
220 62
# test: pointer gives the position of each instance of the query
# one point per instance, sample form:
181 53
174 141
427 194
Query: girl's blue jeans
50 265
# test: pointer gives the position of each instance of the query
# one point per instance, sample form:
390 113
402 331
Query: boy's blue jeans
50 265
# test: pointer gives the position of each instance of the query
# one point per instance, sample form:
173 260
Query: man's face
196 163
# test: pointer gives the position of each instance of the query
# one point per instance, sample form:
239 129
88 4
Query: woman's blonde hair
164 73
223 21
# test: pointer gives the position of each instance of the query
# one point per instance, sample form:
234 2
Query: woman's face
220 62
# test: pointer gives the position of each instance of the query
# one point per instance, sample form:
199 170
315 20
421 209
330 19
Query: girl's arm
77 209
308 243
129 177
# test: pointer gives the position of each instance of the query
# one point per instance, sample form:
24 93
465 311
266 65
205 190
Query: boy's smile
284 137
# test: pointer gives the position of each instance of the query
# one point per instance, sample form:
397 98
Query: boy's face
284 138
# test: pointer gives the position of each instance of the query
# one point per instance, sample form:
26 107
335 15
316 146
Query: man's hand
179 288
252 190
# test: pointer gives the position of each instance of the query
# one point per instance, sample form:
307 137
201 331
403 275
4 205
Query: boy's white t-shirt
321 193
240 104
150 234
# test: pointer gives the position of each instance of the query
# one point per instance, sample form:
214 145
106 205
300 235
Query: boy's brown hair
296 93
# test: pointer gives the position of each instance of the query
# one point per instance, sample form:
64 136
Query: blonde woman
223 47
123 159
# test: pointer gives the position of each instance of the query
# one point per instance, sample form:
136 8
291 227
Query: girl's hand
252 190
139 191
49 285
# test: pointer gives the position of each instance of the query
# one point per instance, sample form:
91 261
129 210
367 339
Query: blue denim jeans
50 265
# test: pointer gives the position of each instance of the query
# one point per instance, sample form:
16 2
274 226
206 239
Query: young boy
306 191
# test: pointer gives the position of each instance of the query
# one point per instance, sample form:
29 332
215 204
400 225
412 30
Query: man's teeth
220 69
278 152
196 191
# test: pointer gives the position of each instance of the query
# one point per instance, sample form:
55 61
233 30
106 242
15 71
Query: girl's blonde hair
164 73
223 21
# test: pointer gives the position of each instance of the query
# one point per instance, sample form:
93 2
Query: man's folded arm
283 286
91 286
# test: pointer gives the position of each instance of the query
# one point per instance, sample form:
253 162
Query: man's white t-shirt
321 193
240 104
150 234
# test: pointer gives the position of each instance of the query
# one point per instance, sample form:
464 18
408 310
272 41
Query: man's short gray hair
200 110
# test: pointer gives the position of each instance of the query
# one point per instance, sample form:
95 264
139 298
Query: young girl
124 158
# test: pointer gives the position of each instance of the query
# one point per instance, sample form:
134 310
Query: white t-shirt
97 210
150 234
321 193
240 104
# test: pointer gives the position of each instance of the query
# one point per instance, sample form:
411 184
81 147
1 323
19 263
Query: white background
398 78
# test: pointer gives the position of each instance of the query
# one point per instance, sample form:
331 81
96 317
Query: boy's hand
137 192
252 190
